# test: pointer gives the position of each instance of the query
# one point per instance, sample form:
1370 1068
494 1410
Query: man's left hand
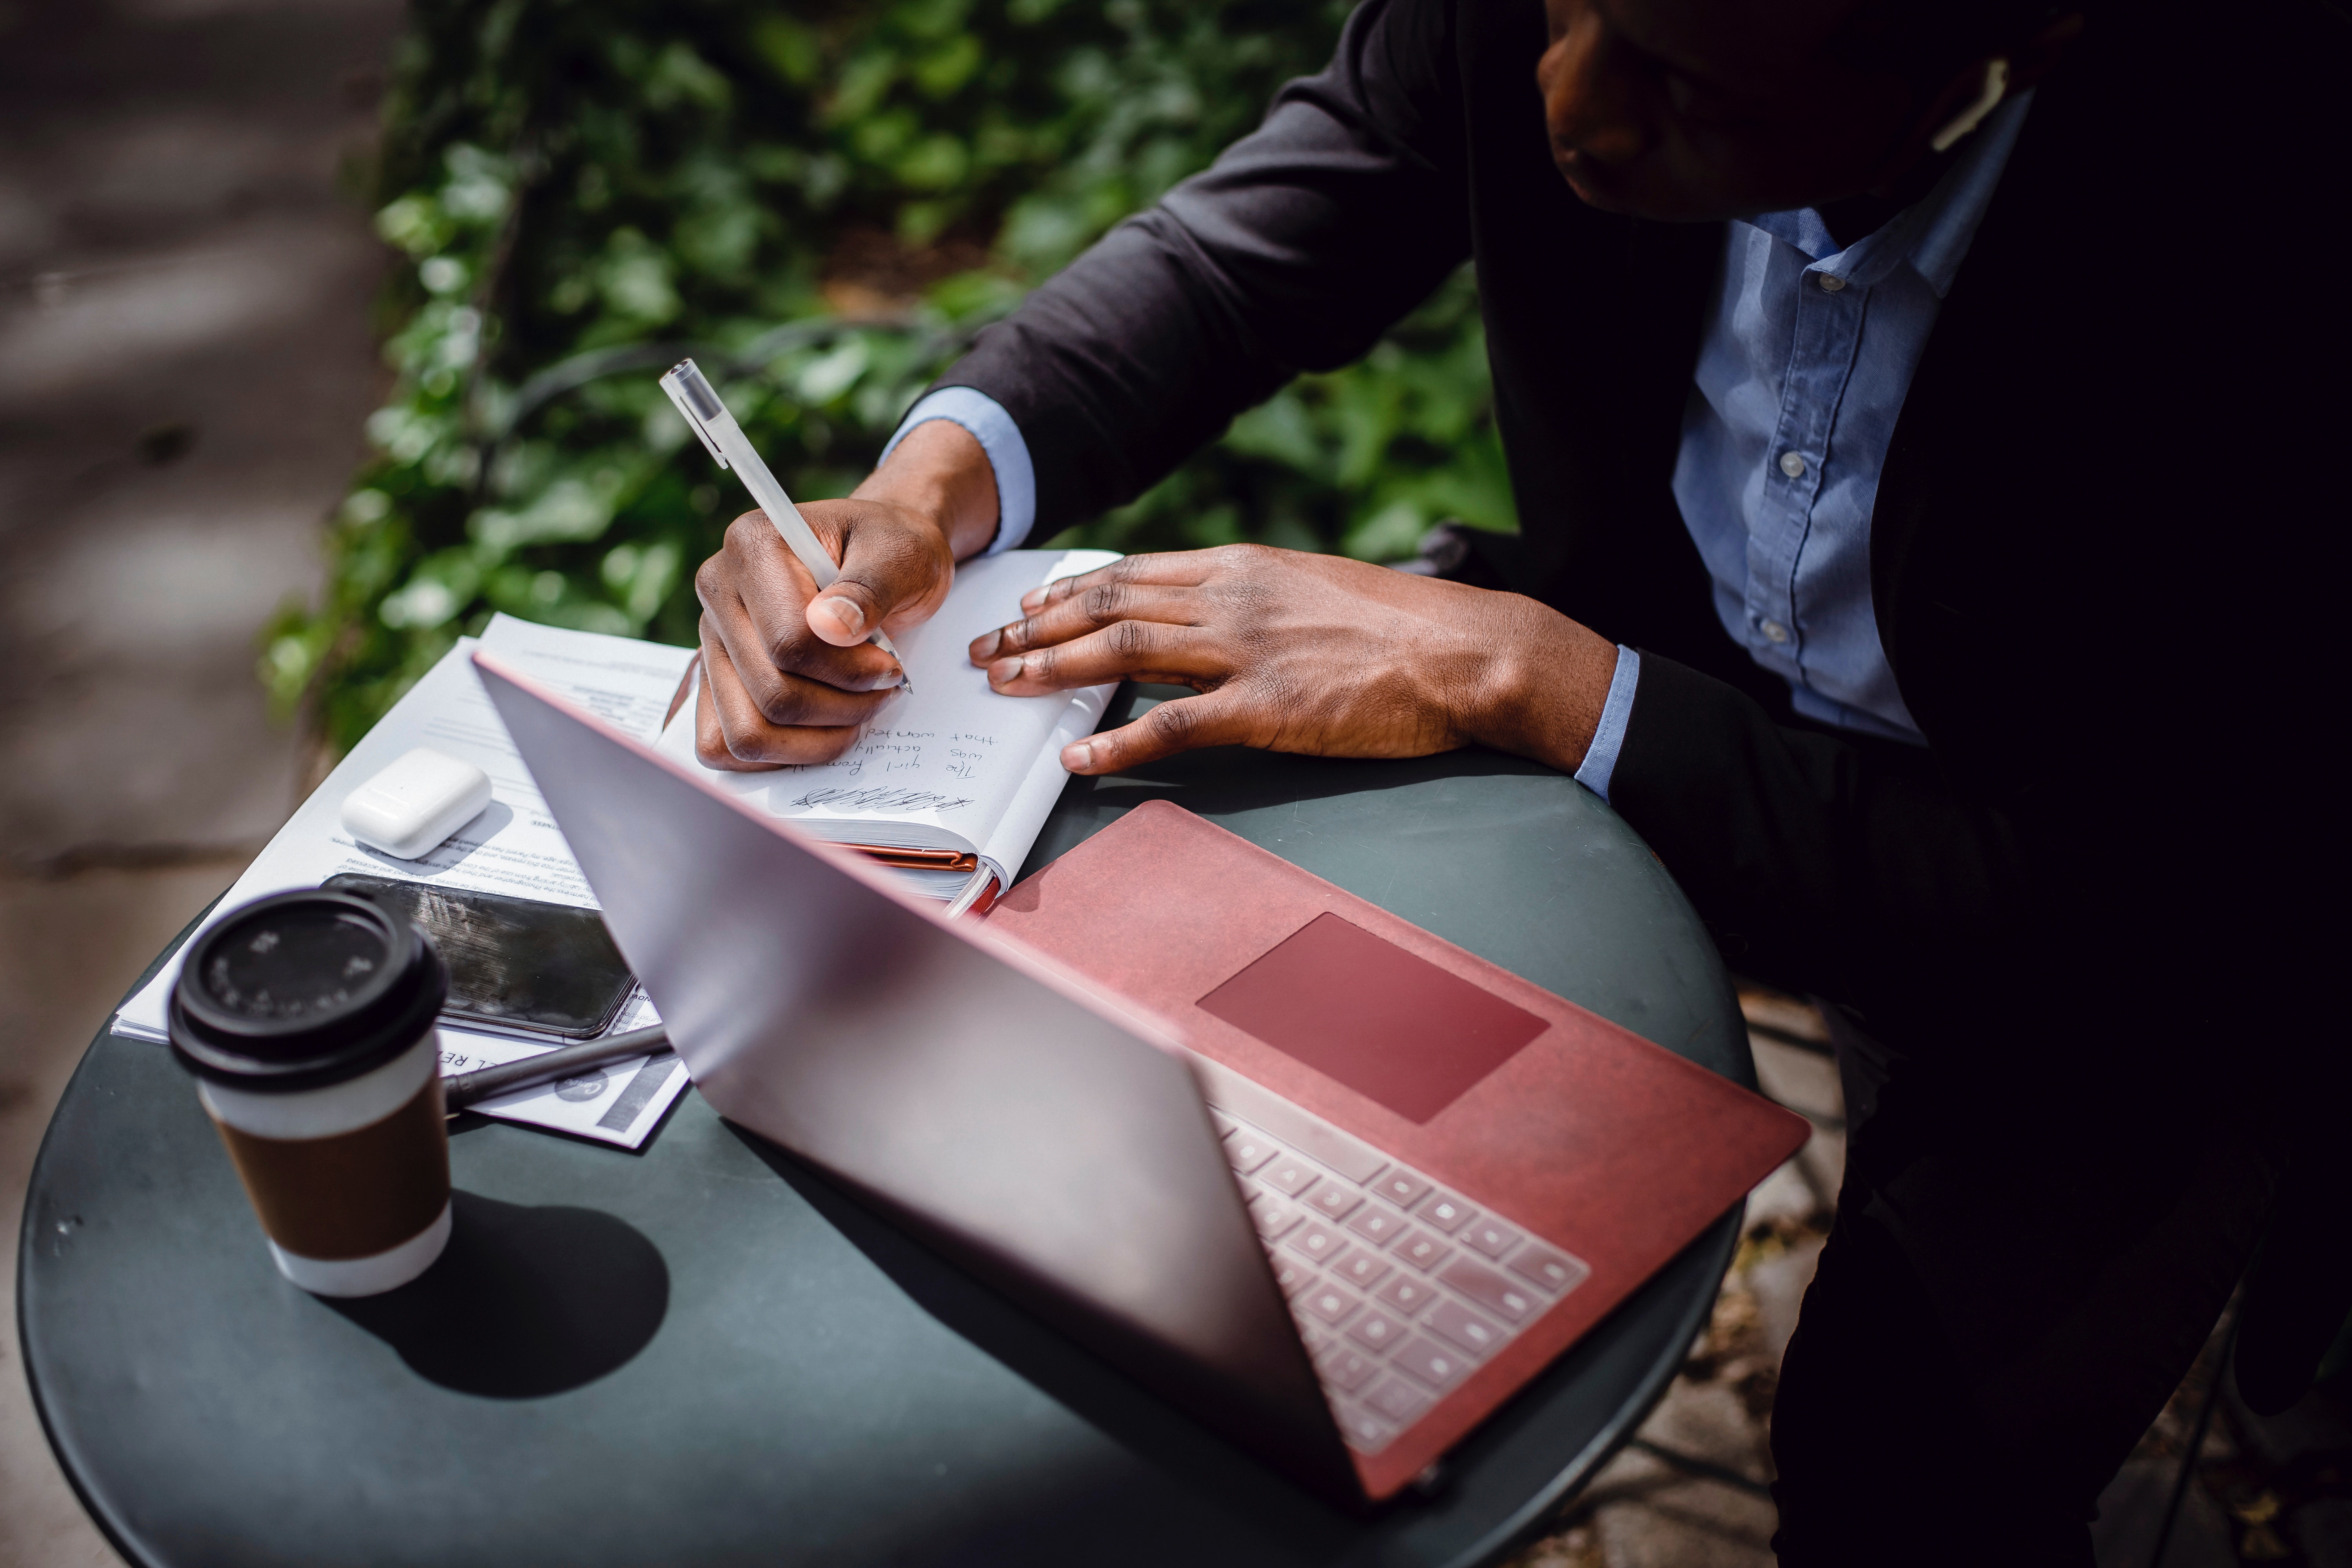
1292 652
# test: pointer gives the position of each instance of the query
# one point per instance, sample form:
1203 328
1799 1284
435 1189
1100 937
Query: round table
704 1353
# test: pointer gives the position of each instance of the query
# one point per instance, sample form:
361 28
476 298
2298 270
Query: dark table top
705 1355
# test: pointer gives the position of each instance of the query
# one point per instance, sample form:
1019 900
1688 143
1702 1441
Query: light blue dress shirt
1806 357
1808 353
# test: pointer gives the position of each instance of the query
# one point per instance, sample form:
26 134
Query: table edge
107 1526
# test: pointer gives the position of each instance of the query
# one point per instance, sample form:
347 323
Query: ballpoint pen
708 417
459 1090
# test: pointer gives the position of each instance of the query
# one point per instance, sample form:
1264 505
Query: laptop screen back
944 1069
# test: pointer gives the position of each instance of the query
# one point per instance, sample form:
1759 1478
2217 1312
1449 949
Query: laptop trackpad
1360 1009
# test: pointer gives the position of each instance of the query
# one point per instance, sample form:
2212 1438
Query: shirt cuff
1601 757
1008 454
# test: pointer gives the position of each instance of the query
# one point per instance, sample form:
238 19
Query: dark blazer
2100 555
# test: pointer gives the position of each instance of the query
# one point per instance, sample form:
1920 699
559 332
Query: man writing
1917 518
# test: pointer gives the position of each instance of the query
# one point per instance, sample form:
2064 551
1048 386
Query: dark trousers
2019 1273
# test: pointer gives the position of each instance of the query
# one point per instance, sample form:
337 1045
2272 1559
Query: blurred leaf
1391 533
789 45
940 73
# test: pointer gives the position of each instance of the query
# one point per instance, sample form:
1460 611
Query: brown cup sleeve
352 1195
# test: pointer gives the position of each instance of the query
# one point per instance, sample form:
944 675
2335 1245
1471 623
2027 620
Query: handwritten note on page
953 766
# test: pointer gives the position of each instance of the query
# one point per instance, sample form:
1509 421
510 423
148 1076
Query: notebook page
952 764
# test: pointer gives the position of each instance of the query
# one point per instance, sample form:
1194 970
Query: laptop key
1398 1400
1316 1240
1225 1125
1272 1215
1439 1365
1287 1175
1296 1125
1314 1336
1363 1268
1466 1329
1333 1201
1423 1251
1377 1222
1292 1276
1408 1295
1247 1151
1555 1271
1444 1212
1490 1235
1504 1296
1346 1370
1365 1432
1401 1186
1328 1302
1377 1331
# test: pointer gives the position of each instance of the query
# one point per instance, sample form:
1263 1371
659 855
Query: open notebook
952 765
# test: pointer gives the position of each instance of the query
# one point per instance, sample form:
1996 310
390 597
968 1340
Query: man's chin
1593 186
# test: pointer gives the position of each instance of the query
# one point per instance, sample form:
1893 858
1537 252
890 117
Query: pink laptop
1329 1183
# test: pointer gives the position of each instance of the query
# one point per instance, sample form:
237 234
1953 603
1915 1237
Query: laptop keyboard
1401 1288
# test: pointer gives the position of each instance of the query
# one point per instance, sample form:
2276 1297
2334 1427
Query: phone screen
514 962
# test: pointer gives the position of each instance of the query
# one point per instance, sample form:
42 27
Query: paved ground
184 364
185 360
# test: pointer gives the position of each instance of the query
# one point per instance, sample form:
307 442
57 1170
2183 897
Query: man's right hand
787 674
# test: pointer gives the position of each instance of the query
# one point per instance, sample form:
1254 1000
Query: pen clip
688 388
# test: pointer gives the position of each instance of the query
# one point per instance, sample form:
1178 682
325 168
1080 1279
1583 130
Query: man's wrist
987 422
941 473
1548 687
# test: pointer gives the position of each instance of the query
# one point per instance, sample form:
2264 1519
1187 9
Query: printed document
512 848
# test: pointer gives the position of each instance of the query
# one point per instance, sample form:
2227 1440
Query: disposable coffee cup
307 1018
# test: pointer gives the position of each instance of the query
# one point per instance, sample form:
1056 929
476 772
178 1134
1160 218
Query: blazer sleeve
1293 251
1845 868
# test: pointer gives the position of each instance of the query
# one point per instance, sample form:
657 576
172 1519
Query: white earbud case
412 805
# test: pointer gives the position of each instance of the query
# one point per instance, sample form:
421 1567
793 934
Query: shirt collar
1931 234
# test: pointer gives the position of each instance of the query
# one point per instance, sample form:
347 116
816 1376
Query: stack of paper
513 847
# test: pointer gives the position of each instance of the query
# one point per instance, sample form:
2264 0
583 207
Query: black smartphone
514 962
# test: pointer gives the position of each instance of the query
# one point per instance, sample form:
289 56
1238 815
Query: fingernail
846 611
1079 758
1033 601
1004 671
896 677
985 648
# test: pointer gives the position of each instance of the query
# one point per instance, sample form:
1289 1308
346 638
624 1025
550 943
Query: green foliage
1362 461
822 205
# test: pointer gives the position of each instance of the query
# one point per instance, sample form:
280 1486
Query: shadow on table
1243 777
525 1303
1224 782
1089 1387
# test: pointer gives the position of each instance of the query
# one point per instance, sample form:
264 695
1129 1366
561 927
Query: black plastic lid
302 990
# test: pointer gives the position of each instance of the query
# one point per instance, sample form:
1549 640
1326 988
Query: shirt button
1775 632
1830 282
1792 465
